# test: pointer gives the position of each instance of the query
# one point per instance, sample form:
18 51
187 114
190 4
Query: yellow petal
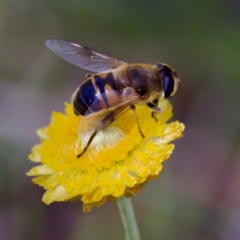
119 162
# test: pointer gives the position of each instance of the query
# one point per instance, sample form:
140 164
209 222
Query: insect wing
82 56
116 106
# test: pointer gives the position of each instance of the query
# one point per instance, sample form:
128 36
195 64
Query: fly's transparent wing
116 104
82 56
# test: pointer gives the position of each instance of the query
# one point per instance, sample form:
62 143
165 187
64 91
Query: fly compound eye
168 85
166 76
169 79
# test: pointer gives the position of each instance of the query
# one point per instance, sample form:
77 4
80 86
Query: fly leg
136 116
88 143
102 124
154 108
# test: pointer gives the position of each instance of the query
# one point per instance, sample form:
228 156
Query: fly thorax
143 78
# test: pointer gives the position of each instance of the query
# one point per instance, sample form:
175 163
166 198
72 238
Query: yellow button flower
117 163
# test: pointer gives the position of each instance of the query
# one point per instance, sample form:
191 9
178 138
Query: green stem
129 222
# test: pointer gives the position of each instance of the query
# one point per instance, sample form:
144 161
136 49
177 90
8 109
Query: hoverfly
114 86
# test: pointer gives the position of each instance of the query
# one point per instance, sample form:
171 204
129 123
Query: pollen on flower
107 138
119 162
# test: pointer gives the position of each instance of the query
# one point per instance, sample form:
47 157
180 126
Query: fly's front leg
154 108
154 116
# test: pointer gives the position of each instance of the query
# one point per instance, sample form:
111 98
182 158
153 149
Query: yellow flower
117 163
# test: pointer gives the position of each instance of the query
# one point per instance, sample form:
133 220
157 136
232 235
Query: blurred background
197 195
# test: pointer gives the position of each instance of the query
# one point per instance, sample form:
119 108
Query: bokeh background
197 195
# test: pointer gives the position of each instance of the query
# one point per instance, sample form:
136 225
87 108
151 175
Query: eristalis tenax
113 87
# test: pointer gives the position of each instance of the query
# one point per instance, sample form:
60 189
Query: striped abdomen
92 95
